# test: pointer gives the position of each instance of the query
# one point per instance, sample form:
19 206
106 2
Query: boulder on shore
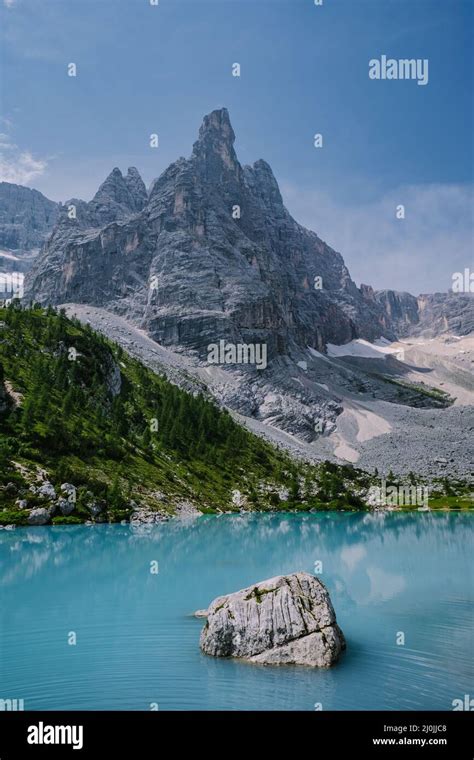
65 506
39 516
47 490
288 619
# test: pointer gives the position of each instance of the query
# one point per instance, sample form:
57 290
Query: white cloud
418 254
5 142
352 555
383 585
20 167
9 3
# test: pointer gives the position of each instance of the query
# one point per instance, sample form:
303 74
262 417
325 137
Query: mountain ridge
345 311
228 229
211 254
190 214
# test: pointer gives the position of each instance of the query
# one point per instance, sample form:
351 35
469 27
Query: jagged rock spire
128 192
216 126
215 143
113 187
136 187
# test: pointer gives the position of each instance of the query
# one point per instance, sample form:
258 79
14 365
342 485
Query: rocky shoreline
44 504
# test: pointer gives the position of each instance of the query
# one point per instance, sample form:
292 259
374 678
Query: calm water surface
137 642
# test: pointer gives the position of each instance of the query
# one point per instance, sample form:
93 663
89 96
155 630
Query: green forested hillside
77 406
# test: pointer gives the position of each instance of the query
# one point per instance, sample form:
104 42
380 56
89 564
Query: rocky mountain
428 314
26 219
117 198
212 259
211 254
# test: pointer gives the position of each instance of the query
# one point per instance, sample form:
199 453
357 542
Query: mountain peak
117 192
136 187
132 171
111 185
216 125
216 139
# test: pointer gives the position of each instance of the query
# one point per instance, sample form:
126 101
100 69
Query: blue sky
304 69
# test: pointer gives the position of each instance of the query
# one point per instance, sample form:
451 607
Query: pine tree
28 415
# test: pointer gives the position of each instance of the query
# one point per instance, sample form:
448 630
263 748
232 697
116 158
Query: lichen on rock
288 619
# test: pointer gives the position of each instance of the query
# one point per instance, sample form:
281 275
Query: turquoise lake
138 644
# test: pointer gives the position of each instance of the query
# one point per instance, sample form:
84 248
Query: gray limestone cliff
26 219
211 254
428 314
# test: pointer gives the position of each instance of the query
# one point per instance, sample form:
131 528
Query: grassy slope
440 397
79 407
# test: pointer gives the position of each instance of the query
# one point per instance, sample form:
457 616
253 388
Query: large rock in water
288 619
